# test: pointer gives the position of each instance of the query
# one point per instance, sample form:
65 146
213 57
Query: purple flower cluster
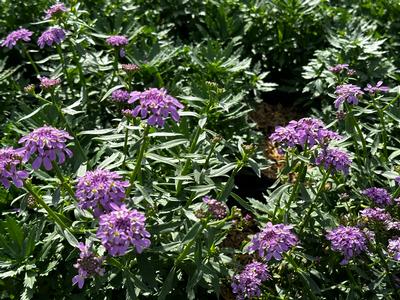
347 92
88 265
273 240
334 159
121 228
338 68
379 195
376 214
55 10
349 241
10 161
306 131
99 189
377 88
15 36
117 40
48 83
120 95
155 105
394 248
215 207
53 35
46 143
130 68
246 285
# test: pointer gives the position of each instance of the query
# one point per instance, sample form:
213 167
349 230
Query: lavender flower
98 189
351 72
48 83
10 163
121 228
273 240
46 143
347 92
392 225
247 283
349 241
15 36
215 207
397 180
117 40
306 131
155 105
130 68
394 248
88 265
379 195
376 214
53 35
55 10
120 95
338 68
334 159
377 88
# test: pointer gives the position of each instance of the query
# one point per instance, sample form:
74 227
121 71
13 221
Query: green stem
314 202
139 159
226 191
391 102
40 201
82 79
64 67
31 61
295 191
63 182
378 249
383 126
125 145
358 129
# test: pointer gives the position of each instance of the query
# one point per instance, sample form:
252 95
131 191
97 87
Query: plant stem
39 200
64 67
63 182
139 159
82 79
125 144
358 129
31 60
314 202
383 125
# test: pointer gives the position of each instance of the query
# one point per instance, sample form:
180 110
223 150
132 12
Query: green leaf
71 238
168 284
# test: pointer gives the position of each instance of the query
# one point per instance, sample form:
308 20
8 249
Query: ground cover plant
126 137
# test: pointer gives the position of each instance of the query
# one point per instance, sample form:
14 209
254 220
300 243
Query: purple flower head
334 159
379 195
338 68
351 72
53 35
117 40
121 228
215 207
392 225
349 241
55 10
376 214
155 105
394 248
130 68
48 83
397 180
120 95
377 88
246 285
15 36
88 265
273 240
46 144
306 131
99 189
10 167
347 92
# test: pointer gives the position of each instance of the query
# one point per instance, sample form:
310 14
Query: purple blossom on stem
349 241
392 225
377 88
10 164
334 159
246 285
53 35
48 83
306 131
397 180
117 40
88 265
394 248
120 95
379 195
55 10
99 189
46 144
121 228
347 92
155 105
21 34
376 214
215 207
273 240
338 68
